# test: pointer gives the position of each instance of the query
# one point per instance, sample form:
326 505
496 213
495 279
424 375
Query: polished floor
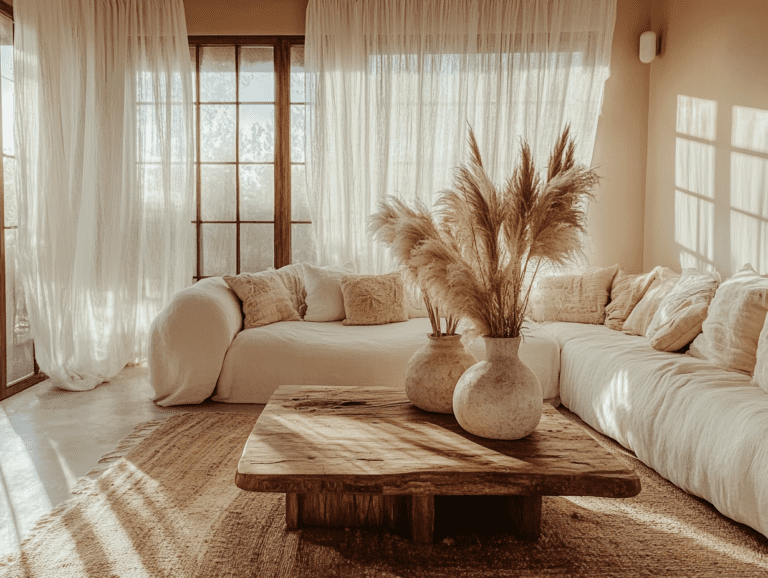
49 438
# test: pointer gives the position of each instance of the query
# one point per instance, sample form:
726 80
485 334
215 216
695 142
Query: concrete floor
49 438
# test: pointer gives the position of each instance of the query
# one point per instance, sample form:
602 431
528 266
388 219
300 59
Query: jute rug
169 507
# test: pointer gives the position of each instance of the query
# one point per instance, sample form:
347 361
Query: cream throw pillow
574 298
691 288
642 314
374 299
760 377
265 298
681 327
626 292
735 320
324 299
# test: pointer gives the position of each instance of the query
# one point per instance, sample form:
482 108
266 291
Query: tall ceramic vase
499 398
432 373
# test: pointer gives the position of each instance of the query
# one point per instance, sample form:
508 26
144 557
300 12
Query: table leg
292 511
526 510
423 518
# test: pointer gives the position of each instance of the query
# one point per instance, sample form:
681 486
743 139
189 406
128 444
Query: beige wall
616 219
707 169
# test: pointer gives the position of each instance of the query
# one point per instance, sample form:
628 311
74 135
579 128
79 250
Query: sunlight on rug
169 507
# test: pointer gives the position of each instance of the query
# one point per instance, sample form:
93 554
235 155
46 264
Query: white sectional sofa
703 428
199 350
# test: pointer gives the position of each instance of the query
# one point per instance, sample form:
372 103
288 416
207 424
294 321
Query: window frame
282 161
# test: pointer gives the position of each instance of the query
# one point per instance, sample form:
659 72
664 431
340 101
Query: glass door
17 366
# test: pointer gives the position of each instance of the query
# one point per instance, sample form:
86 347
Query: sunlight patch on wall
695 181
749 188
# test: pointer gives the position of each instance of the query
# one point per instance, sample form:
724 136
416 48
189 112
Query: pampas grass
477 254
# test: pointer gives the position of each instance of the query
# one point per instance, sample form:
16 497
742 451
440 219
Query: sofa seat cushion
701 427
300 353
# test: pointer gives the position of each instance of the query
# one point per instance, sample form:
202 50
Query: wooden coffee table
365 456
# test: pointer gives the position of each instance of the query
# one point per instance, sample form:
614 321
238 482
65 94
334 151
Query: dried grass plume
477 253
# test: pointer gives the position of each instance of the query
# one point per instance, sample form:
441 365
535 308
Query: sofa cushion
259 360
760 377
699 426
374 299
577 298
735 319
678 327
643 312
626 292
265 298
324 299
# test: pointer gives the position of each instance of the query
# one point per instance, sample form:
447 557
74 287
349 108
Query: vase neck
501 347
445 340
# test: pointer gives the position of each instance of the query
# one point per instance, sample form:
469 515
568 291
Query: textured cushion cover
626 292
374 299
680 328
760 377
692 289
265 298
642 314
575 298
324 299
734 322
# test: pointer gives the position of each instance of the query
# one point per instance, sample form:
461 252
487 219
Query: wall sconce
648 44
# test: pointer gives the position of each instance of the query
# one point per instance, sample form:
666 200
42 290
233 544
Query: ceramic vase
499 398
432 373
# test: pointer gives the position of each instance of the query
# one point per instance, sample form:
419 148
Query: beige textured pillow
730 333
265 298
642 314
680 328
626 292
760 377
374 299
574 298
691 288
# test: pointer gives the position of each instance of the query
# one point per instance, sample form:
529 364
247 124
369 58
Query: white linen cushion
325 301
692 289
734 322
699 426
261 359
643 312
682 327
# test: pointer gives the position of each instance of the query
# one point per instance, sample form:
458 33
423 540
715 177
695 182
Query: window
18 368
252 209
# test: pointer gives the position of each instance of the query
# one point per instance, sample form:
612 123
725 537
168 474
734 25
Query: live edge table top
372 440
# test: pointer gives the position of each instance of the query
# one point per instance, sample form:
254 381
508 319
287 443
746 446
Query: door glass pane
297 133
217 133
257 74
217 74
218 192
18 344
257 132
299 200
297 74
257 251
218 249
257 192
302 248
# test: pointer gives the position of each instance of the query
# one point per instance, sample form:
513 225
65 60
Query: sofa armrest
188 340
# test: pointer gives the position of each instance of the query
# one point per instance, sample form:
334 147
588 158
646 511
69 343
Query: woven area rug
169 507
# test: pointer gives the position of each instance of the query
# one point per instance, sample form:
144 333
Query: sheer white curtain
104 135
393 85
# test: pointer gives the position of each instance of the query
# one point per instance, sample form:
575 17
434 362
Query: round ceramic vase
499 398
432 373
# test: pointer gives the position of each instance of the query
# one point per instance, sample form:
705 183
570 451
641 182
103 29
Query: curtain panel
105 148
393 85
